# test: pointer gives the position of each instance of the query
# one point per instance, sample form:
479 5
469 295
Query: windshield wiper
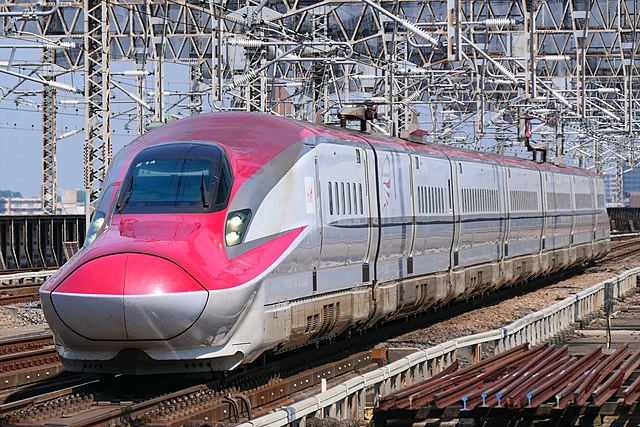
203 193
126 195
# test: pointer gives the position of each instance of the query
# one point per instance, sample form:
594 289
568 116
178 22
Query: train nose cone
129 297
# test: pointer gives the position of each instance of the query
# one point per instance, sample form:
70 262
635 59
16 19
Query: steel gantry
494 74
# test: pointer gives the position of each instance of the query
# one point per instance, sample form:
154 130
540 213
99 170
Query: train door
346 236
547 212
506 179
480 214
454 194
396 215
433 214
502 210
584 217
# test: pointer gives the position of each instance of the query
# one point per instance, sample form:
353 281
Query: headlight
236 226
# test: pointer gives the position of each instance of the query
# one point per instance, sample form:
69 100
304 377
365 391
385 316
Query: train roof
264 135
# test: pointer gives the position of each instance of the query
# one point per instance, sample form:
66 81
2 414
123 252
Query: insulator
60 45
246 43
70 133
419 32
496 118
62 86
506 72
500 22
243 79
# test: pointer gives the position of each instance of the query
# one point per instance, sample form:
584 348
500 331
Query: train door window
335 193
358 159
349 196
330 200
342 201
360 197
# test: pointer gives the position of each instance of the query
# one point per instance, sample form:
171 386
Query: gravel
20 315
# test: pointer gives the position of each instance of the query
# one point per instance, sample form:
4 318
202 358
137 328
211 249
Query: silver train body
383 229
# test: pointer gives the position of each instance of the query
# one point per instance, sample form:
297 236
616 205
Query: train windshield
180 177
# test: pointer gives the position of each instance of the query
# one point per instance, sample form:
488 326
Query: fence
39 240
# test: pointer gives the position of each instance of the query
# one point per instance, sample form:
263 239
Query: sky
21 150
21 128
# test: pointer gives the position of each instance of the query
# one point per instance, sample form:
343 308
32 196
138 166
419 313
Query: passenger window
349 196
344 208
335 192
360 197
355 200
330 200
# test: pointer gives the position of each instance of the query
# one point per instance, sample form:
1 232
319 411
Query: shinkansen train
223 236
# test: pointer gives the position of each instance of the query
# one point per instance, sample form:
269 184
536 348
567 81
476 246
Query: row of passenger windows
345 198
524 200
558 201
479 200
583 201
432 200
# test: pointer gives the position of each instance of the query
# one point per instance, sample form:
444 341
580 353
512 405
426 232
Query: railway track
22 286
623 247
36 275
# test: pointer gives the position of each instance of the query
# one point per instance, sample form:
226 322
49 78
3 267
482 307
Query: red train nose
134 297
